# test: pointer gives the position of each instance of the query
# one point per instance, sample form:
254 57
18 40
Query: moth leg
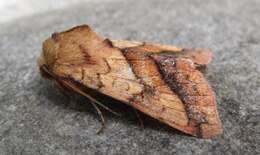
100 104
90 97
100 115
93 102
62 89
141 123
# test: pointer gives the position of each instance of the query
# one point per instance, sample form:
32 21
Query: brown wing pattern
160 80
189 84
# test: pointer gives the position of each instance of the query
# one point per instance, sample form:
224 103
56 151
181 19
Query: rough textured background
14 9
35 118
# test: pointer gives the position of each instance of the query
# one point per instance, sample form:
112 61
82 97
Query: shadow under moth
161 81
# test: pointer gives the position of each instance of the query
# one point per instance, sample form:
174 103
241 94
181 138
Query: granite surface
35 118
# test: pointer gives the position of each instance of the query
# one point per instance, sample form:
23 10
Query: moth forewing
159 80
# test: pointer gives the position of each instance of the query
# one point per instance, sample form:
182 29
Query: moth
162 81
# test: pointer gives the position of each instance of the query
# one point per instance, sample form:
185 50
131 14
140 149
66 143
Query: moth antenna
46 70
139 118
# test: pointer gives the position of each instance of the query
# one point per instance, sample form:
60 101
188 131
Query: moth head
47 58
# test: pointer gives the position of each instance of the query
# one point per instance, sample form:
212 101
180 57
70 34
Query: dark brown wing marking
156 97
190 85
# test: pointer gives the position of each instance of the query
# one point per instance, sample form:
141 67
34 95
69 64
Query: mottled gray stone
35 118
